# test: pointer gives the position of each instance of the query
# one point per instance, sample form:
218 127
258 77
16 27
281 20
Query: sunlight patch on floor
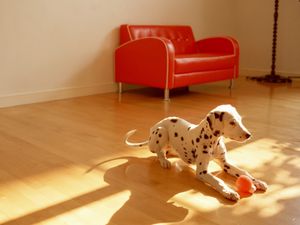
262 161
103 209
39 192
198 201
269 203
260 158
98 195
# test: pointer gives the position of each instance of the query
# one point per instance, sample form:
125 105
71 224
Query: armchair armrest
146 61
226 45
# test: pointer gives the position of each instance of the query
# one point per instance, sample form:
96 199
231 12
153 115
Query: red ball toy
245 185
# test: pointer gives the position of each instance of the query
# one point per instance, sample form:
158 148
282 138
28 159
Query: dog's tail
134 144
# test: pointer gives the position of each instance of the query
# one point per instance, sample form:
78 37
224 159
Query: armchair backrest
182 37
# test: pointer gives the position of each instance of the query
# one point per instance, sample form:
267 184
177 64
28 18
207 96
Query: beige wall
254 26
53 49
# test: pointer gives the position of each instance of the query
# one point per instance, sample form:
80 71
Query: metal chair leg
120 87
231 84
167 95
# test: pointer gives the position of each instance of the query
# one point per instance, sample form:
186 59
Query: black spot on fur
217 116
202 130
157 142
205 152
197 140
232 123
209 122
205 146
216 133
225 170
140 145
205 136
193 142
210 136
159 135
237 175
200 173
227 167
221 116
189 160
205 172
200 163
182 139
194 153
173 120
175 134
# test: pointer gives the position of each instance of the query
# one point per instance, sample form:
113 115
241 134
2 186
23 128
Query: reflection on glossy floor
64 162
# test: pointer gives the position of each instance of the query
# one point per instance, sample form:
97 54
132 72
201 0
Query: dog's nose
248 135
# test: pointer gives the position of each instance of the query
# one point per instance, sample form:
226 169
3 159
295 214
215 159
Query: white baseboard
71 92
54 94
260 72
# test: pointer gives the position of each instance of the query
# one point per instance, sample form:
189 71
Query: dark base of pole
271 79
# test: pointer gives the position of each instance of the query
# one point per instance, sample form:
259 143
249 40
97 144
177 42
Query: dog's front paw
231 194
165 163
260 185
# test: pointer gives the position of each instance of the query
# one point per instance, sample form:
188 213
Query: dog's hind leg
158 140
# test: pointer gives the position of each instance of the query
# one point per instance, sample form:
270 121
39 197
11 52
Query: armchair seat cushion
188 63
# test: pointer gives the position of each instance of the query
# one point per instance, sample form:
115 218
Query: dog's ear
215 121
210 119
219 116
215 116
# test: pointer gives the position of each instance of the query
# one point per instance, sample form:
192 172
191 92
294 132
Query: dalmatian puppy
198 144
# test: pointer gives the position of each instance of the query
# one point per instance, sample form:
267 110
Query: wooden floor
64 162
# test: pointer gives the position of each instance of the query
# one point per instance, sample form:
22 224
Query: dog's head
225 120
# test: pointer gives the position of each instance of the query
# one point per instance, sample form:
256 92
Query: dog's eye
232 123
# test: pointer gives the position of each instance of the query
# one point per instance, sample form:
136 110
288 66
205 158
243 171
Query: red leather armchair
168 57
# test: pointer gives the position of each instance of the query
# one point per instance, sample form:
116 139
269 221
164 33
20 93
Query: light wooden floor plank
64 162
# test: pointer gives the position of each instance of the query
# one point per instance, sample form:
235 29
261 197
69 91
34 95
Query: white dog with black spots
198 144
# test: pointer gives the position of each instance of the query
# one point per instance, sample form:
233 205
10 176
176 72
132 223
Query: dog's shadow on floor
151 188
